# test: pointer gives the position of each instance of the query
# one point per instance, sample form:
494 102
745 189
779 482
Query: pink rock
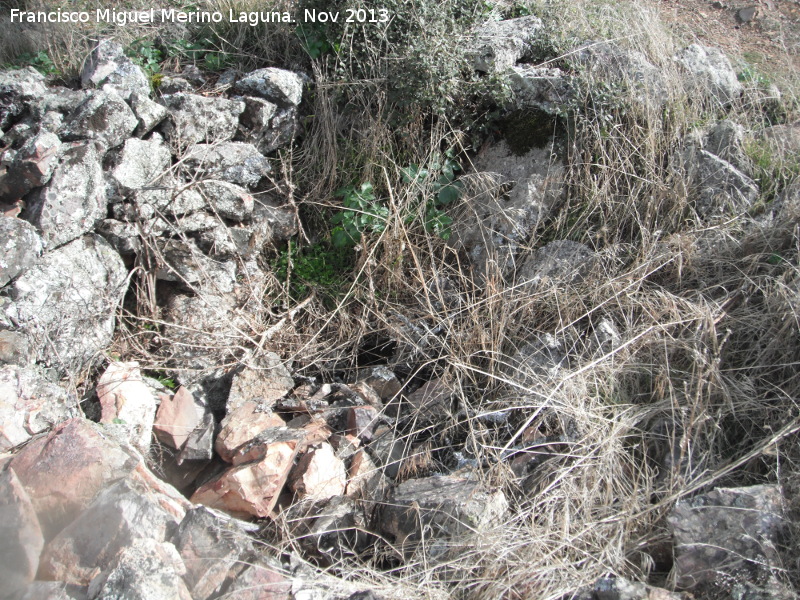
241 426
176 418
21 538
124 396
319 474
250 489
63 471
260 583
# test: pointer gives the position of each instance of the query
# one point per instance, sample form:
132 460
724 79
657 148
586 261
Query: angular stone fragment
548 89
499 45
387 450
319 474
184 262
124 397
431 400
226 199
85 460
361 421
20 247
32 166
721 187
123 237
119 515
148 112
18 89
30 404
264 382
619 588
261 582
329 530
365 479
243 424
15 349
145 570
233 162
169 196
258 113
200 444
108 67
384 382
141 163
442 506
194 118
103 117
727 534
176 418
66 302
709 69
74 199
285 88
21 538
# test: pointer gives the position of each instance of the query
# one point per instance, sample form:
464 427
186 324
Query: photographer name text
171 15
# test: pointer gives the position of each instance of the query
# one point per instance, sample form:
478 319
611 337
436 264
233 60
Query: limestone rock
87 278
194 118
285 88
185 263
233 162
119 515
124 396
319 475
21 538
123 237
85 460
442 506
19 249
548 89
74 199
103 117
32 166
30 404
176 418
141 163
170 196
499 45
710 69
109 68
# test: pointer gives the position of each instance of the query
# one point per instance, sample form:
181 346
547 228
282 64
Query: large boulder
710 70
66 302
74 199
109 68
20 248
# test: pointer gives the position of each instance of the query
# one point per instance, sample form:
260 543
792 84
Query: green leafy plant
445 189
40 61
145 54
314 39
320 267
362 213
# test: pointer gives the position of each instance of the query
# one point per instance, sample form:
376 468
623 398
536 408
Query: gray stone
20 248
183 262
388 450
234 162
710 71
285 88
103 117
119 515
15 349
258 114
262 581
495 226
21 538
32 166
542 357
170 196
499 45
727 535
619 588
264 381
196 223
442 506
200 443
195 119
148 112
548 89
726 140
329 530
171 84
282 130
66 302
227 199
145 570
558 263
721 188
109 68
30 404
123 237
73 201
18 88
141 163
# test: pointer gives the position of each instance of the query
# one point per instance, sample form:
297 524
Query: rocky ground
135 226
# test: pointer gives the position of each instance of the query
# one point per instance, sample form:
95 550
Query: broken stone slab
442 506
709 70
283 87
264 381
200 444
32 167
73 201
148 112
727 534
560 263
120 514
18 89
299 435
227 199
242 425
185 263
141 163
144 570
499 45
176 419
85 460
108 67
319 474
193 118
88 278
720 187
258 114
124 397
103 117
361 422
431 400
234 162
19 249
30 404
21 539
